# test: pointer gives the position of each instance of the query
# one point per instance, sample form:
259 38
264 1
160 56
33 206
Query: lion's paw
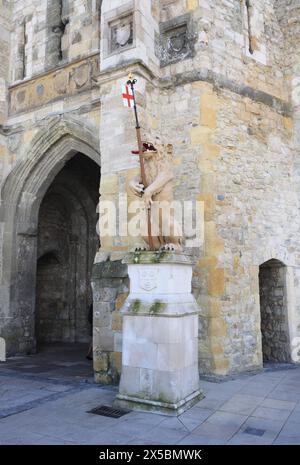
168 247
141 249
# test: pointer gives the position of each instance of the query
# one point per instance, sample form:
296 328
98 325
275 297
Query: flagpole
131 82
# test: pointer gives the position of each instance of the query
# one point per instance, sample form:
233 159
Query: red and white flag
127 95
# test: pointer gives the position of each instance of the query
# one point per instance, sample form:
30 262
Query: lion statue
159 193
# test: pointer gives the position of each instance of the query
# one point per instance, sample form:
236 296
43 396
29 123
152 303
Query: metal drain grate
254 431
109 411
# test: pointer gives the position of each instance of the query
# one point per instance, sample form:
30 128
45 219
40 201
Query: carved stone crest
13 143
81 75
177 42
123 34
148 278
60 82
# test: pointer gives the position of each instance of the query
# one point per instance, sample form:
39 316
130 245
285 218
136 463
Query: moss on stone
137 256
163 399
158 256
135 306
157 307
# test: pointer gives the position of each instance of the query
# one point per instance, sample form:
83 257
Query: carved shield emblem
81 75
177 42
60 83
148 279
123 34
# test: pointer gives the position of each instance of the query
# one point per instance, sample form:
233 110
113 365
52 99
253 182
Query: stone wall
52 316
110 290
49 33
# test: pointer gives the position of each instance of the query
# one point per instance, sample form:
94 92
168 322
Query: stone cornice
221 82
71 80
139 68
217 80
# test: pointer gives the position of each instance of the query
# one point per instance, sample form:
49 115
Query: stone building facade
220 81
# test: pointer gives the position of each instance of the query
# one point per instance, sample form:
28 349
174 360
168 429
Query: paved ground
44 399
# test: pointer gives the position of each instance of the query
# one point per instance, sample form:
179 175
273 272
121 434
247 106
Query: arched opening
273 308
66 245
63 160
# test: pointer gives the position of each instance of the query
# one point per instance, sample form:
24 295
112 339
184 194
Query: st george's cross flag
128 98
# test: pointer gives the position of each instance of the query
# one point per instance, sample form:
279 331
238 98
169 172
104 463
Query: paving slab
291 429
278 404
167 436
195 417
215 432
271 413
262 429
283 440
242 403
193 440
250 440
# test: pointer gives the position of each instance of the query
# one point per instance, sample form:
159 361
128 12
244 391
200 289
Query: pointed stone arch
265 254
57 141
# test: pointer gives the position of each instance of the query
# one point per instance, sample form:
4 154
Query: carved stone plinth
160 335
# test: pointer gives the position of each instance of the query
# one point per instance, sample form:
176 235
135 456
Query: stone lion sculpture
159 193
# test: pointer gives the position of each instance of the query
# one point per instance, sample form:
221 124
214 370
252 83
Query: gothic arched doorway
66 247
57 147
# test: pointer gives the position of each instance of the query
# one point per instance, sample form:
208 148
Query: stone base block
160 336
163 408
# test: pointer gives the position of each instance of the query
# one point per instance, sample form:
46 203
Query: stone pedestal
160 335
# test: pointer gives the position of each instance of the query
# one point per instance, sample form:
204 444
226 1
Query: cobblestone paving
39 405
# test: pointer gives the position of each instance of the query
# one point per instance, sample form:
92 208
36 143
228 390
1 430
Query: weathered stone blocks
110 288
